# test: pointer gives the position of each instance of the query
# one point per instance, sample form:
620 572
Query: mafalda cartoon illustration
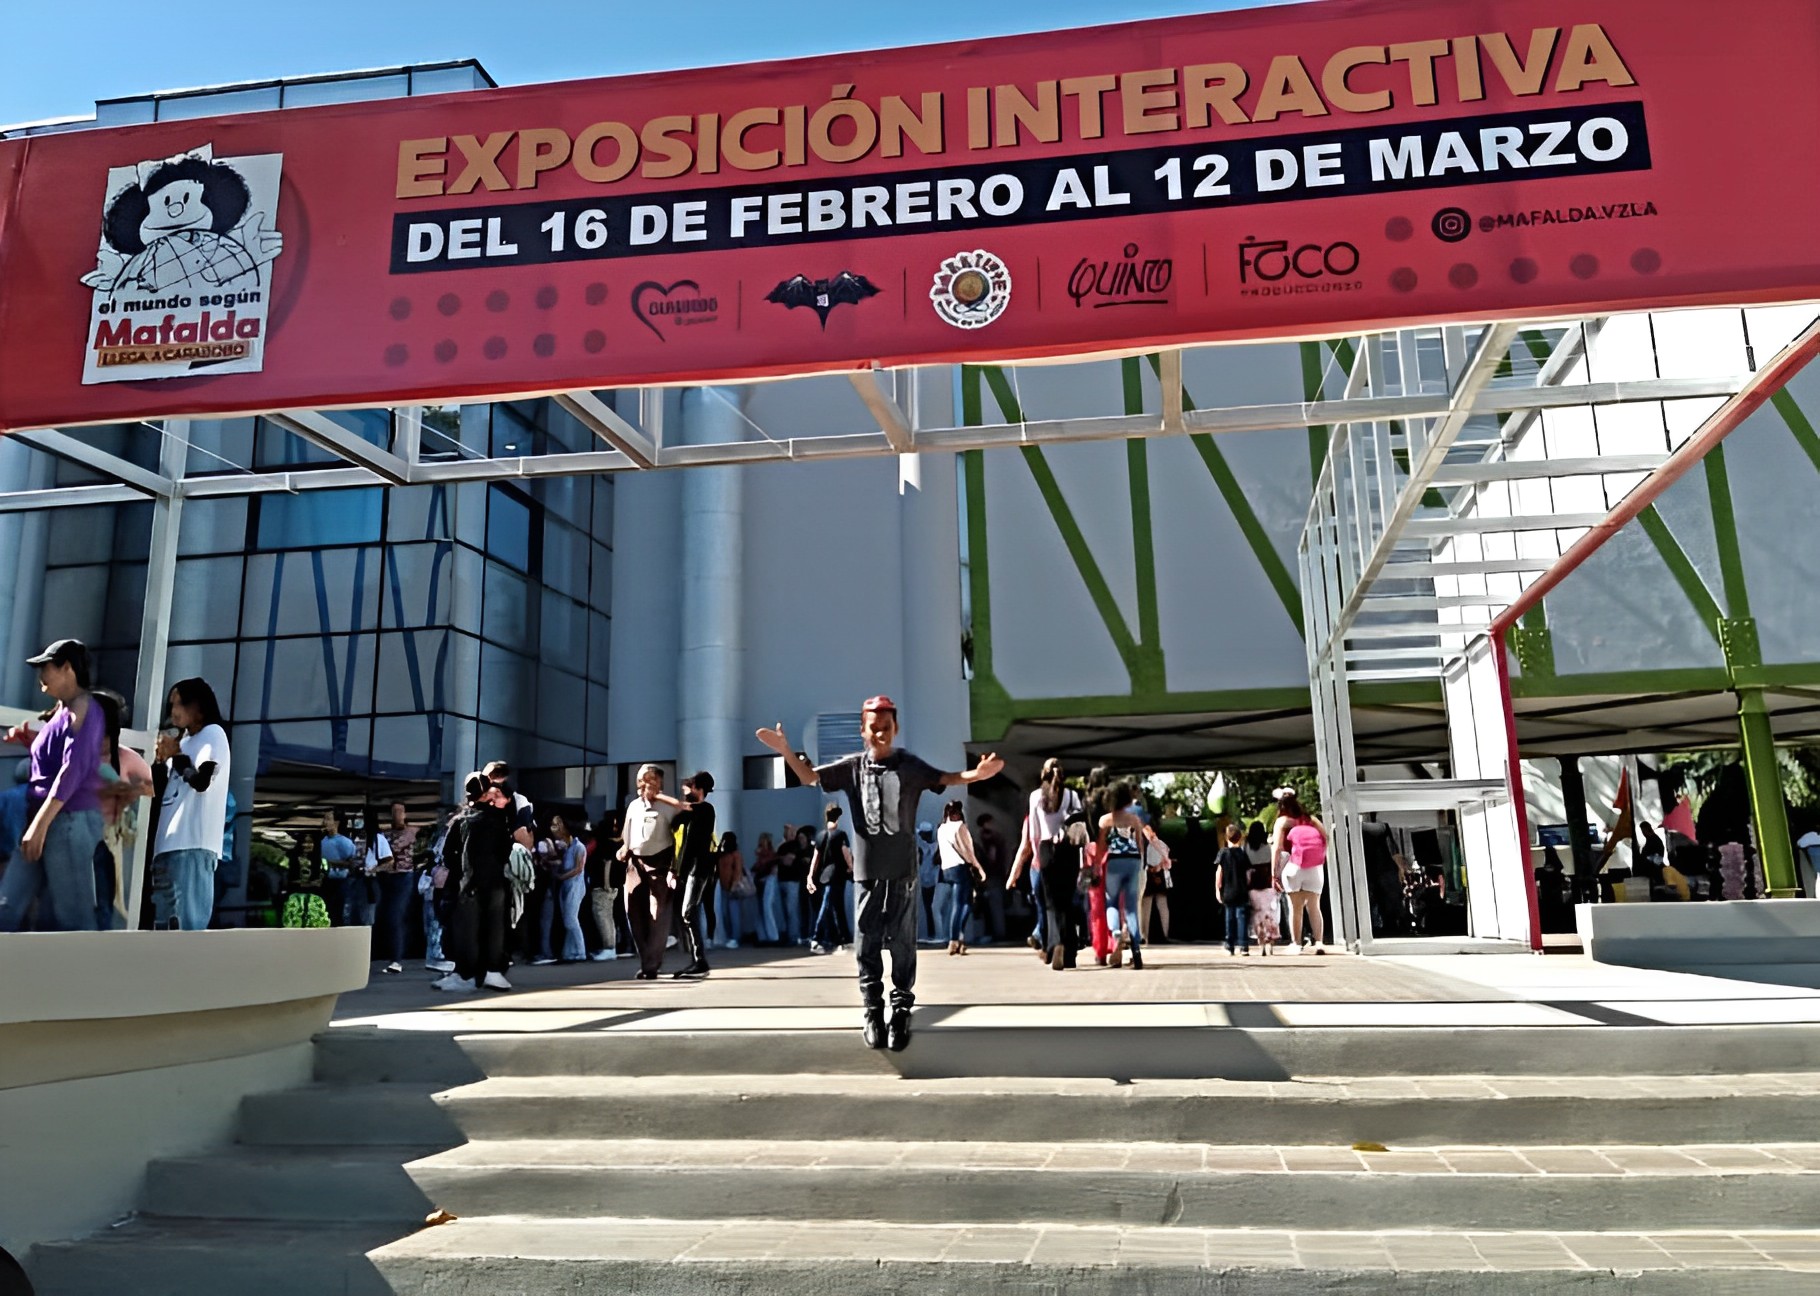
183 267
184 224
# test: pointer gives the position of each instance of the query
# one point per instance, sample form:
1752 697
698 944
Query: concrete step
489 1256
1167 1041
1192 1186
194 1258
1410 1112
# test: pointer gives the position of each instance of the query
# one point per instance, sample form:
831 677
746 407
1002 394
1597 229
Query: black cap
65 652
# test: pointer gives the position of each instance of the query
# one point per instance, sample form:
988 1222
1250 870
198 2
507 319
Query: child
1232 881
1263 908
884 785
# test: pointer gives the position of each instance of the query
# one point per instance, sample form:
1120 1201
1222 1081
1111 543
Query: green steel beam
1681 567
990 701
1798 424
1725 530
1149 673
1276 571
1099 590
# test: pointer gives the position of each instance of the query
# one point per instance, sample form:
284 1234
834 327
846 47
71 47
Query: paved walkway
1181 985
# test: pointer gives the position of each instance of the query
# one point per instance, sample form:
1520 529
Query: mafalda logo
184 268
971 289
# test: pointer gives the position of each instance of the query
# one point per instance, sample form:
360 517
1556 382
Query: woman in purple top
57 855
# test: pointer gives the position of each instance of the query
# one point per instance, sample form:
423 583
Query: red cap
879 703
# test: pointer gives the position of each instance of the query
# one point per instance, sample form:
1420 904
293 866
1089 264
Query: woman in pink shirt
1299 859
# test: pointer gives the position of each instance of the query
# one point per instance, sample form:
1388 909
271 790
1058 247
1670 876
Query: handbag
743 888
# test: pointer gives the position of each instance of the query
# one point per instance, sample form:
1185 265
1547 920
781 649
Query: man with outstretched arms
883 785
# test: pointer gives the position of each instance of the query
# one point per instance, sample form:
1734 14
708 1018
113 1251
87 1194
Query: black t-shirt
792 864
697 849
884 796
1234 863
833 845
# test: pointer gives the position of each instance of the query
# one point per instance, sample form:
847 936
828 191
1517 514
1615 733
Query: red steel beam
1768 381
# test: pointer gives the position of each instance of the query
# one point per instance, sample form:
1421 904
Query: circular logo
1450 225
971 289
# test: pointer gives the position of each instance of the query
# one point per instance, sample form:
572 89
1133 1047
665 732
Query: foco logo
1129 281
1273 267
654 303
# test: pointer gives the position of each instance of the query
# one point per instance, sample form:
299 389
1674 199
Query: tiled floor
1095 1246
1180 986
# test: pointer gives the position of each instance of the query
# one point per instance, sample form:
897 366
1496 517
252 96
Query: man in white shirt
650 852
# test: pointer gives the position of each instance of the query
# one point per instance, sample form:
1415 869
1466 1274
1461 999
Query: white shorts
1297 878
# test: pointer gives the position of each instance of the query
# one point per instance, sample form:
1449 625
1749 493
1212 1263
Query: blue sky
58 56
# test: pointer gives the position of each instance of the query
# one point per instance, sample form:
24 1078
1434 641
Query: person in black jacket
1231 879
695 869
475 853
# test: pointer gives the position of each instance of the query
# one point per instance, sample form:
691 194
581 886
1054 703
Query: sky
58 56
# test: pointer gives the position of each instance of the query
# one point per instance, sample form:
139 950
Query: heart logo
665 305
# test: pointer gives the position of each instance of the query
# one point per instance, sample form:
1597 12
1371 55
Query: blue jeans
432 931
568 895
359 900
727 916
183 889
957 905
831 927
1122 873
790 900
767 910
1238 926
1037 902
64 875
396 891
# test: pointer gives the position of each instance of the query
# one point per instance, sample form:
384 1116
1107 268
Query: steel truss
1429 535
1412 549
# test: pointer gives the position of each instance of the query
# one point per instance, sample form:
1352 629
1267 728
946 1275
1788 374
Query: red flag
1621 801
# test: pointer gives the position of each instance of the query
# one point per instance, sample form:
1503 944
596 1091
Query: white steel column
935 699
23 541
155 631
710 703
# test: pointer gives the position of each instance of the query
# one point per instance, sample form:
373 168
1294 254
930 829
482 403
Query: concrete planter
1696 937
120 1047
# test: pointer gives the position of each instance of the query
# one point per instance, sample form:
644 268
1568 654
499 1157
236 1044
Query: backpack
1260 878
305 909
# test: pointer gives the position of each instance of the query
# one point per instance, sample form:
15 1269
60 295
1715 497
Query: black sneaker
874 1029
693 970
897 1038
645 976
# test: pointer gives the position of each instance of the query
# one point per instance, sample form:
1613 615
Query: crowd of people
501 880
67 827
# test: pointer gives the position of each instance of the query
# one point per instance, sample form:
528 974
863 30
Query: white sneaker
542 962
670 942
439 965
1292 950
495 981
452 984
394 967
603 956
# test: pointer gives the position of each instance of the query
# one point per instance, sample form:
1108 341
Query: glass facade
402 633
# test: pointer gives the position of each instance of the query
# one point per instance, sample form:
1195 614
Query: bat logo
822 295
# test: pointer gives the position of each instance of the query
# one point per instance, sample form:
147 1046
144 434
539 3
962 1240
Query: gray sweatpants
886 920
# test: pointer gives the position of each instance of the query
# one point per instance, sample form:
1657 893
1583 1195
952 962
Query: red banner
1323 169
